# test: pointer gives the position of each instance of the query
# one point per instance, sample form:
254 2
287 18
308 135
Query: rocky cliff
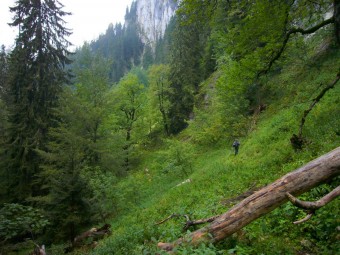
153 17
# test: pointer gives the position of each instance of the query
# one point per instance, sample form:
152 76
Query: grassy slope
150 195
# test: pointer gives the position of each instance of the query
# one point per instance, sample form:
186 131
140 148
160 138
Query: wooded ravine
127 147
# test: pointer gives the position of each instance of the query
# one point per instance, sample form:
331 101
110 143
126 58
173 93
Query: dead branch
297 141
315 101
188 222
174 215
184 182
265 200
309 215
314 205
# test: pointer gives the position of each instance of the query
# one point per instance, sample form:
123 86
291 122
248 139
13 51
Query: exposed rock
153 16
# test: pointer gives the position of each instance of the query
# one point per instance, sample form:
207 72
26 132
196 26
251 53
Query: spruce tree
3 113
66 203
3 70
185 73
36 76
79 146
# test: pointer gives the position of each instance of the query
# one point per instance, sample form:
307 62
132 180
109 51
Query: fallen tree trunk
38 250
265 200
94 233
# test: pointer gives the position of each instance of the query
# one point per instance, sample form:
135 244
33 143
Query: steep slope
215 176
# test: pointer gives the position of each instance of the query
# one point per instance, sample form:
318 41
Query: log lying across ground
83 239
265 200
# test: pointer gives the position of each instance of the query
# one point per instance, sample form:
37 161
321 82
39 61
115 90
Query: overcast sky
89 18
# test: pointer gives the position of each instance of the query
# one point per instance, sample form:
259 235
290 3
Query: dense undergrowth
158 142
150 194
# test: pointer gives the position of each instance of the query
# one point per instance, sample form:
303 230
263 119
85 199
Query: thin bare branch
166 219
315 101
174 215
200 221
314 205
188 222
309 215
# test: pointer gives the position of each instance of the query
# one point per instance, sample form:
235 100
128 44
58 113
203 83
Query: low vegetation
216 176
124 153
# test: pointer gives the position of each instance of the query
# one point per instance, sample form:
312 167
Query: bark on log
265 200
93 232
39 250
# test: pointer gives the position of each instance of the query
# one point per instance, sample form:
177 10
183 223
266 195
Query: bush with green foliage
18 221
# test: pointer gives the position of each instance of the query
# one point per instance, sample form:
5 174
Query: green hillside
151 195
124 136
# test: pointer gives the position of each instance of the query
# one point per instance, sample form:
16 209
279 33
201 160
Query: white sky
89 18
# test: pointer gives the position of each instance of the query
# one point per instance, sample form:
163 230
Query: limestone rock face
153 16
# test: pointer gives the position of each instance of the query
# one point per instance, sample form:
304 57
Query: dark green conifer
66 203
36 77
3 71
185 73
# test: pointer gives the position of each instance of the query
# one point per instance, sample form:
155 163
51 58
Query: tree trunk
265 200
337 20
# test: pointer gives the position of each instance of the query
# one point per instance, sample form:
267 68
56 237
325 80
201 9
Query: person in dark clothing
236 145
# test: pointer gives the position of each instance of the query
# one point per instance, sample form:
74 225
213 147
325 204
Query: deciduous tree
129 101
159 92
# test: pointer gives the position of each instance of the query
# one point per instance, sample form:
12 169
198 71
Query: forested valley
124 147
